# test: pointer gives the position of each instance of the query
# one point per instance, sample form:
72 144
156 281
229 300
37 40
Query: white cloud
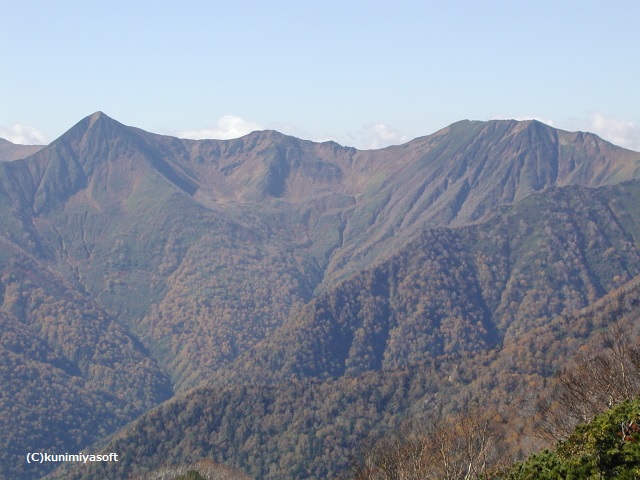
380 135
23 134
544 120
227 127
372 136
295 131
616 130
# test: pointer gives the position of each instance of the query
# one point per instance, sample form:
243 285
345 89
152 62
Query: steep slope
463 172
347 207
110 212
100 157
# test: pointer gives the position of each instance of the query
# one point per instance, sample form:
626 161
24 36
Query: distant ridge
11 151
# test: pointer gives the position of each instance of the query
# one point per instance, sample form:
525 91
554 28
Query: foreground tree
457 447
607 447
600 377
203 470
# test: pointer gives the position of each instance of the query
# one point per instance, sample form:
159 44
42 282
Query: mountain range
281 300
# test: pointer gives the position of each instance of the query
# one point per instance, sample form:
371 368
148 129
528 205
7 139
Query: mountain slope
138 218
463 289
310 428
199 251
440 324
71 373
462 173
128 230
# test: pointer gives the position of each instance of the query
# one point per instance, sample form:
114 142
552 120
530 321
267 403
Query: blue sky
363 73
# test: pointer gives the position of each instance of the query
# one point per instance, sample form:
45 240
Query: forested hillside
71 374
460 290
335 376
298 272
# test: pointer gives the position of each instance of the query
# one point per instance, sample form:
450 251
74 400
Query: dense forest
312 428
275 305
592 412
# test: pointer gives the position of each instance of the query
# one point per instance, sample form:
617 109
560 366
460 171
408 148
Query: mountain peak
97 123
100 118
97 116
266 135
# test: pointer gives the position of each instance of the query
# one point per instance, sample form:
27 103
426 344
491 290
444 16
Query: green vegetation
606 447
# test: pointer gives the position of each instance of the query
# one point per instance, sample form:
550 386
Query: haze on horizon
365 74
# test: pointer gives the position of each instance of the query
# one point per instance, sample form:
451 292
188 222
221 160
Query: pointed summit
99 121
69 162
98 116
95 126
95 138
